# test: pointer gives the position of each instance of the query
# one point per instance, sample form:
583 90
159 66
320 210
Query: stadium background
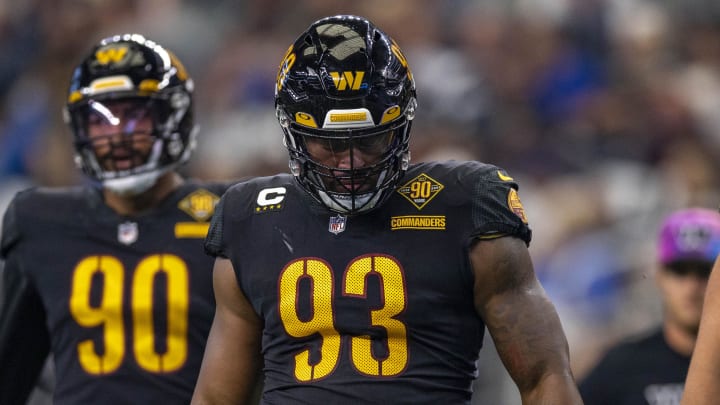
605 111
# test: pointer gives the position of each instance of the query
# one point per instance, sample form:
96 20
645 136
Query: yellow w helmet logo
347 79
107 55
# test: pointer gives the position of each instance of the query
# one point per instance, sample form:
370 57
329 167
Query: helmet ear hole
78 161
345 80
283 118
175 145
405 161
411 108
295 167
179 100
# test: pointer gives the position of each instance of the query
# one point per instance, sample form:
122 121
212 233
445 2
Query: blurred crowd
607 112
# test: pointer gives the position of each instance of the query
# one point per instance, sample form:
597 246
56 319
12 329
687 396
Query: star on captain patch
337 224
127 233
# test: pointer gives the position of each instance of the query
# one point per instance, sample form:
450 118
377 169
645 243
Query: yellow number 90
109 313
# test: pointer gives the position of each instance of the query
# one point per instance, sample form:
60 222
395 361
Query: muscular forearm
540 365
553 389
703 379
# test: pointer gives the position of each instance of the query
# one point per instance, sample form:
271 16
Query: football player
111 277
360 278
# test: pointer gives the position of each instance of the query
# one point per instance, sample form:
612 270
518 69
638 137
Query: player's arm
24 340
231 362
703 379
522 321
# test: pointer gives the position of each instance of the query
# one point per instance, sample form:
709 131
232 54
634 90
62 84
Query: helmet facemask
349 170
127 158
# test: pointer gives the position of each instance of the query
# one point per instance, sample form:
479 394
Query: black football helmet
345 82
136 70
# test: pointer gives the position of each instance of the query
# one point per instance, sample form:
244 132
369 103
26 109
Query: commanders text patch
427 222
191 230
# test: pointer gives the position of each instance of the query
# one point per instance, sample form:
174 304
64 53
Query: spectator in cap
651 369
702 386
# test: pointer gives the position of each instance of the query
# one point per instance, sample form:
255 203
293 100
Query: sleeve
214 245
24 339
496 207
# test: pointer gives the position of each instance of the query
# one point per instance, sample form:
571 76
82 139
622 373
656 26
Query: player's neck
135 205
678 338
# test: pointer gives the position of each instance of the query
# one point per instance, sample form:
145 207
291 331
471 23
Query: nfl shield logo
337 224
127 233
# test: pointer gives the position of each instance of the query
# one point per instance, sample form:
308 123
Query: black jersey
127 301
638 371
374 308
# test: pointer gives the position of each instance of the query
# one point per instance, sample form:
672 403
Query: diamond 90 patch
420 190
200 204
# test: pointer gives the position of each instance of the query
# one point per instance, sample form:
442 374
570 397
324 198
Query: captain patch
270 199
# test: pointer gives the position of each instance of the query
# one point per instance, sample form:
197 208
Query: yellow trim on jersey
492 236
504 177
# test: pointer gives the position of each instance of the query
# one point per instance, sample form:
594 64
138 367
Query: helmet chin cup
133 185
349 205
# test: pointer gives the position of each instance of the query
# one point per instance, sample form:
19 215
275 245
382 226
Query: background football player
379 276
111 277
